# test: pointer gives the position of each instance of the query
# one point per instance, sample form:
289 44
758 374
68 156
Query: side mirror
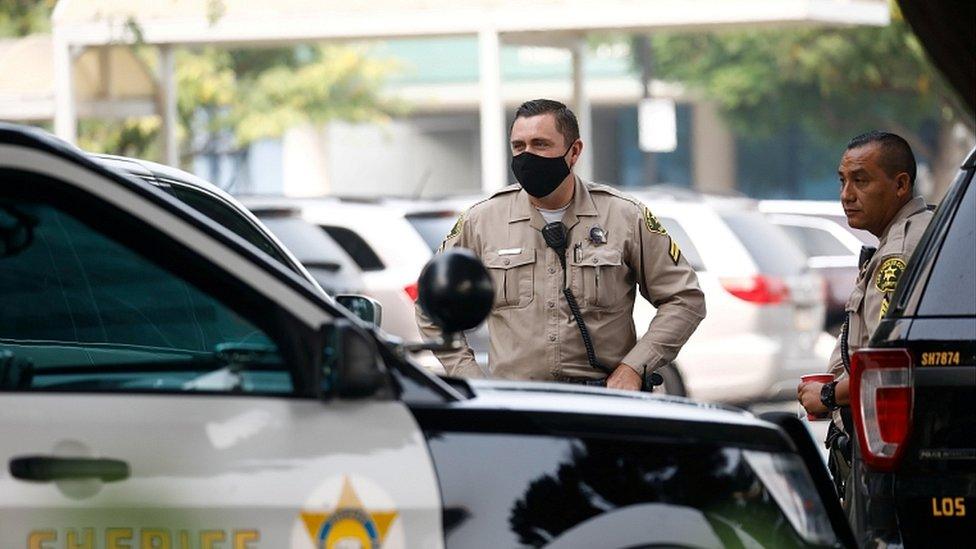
364 308
351 366
455 291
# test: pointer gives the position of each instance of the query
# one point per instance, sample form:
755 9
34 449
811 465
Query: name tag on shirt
510 251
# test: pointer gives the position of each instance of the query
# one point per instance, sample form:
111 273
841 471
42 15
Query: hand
809 396
624 377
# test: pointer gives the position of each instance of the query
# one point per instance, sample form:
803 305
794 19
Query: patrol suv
914 392
164 383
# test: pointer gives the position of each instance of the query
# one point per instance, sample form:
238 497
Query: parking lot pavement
818 429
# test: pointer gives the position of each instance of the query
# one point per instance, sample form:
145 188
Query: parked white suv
765 309
831 252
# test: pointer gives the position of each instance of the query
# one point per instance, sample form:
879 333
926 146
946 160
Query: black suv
914 392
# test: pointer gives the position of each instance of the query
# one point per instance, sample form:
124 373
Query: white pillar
65 117
167 105
713 150
581 106
493 152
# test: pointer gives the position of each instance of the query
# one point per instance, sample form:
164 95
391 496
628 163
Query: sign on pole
657 125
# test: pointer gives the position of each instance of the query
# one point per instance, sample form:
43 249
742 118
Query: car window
228 217
82 312
950 289
357 248
433 228
772 250
816 242
308 242
334 270
688 249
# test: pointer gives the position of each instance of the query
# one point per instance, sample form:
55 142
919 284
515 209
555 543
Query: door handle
49 468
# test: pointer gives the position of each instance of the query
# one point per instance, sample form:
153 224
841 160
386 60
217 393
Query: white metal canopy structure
109 82
80 24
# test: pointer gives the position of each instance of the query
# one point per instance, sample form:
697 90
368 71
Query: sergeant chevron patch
674 252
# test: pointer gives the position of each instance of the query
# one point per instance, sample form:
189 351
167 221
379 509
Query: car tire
673 384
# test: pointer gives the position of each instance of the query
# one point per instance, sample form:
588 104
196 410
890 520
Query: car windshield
84 312
771 249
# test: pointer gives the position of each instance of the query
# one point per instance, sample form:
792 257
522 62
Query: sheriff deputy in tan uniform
877 177
614 245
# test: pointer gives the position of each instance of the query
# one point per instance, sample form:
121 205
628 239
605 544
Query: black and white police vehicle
165 383
914 392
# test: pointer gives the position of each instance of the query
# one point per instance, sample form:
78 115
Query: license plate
950 507
937 521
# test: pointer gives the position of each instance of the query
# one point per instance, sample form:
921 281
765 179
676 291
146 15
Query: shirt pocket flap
597 257
854 301
494 260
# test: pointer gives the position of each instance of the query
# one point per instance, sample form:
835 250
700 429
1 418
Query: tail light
881 403
759 289
412 291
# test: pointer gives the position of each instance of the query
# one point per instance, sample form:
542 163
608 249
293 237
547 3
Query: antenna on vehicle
424 178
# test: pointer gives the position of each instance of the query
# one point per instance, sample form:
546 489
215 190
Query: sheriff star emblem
888 274
349 524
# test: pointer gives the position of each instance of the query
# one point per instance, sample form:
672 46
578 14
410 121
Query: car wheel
673 384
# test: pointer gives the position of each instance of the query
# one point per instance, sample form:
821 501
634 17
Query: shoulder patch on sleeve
888 274
458 225
455 231
653 225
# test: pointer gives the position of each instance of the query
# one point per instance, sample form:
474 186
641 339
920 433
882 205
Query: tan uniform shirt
532 332
878 279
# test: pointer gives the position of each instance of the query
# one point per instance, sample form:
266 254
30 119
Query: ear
575 151
903 185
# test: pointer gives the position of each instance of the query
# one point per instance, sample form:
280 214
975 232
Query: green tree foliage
23 17
229 98
833 82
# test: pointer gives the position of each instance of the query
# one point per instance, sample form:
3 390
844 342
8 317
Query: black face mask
540 175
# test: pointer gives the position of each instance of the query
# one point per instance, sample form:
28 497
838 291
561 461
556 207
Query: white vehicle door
159 383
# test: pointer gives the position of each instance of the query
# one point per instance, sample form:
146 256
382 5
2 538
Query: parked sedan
165 383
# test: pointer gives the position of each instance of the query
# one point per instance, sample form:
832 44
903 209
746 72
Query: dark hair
896 154
566 123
